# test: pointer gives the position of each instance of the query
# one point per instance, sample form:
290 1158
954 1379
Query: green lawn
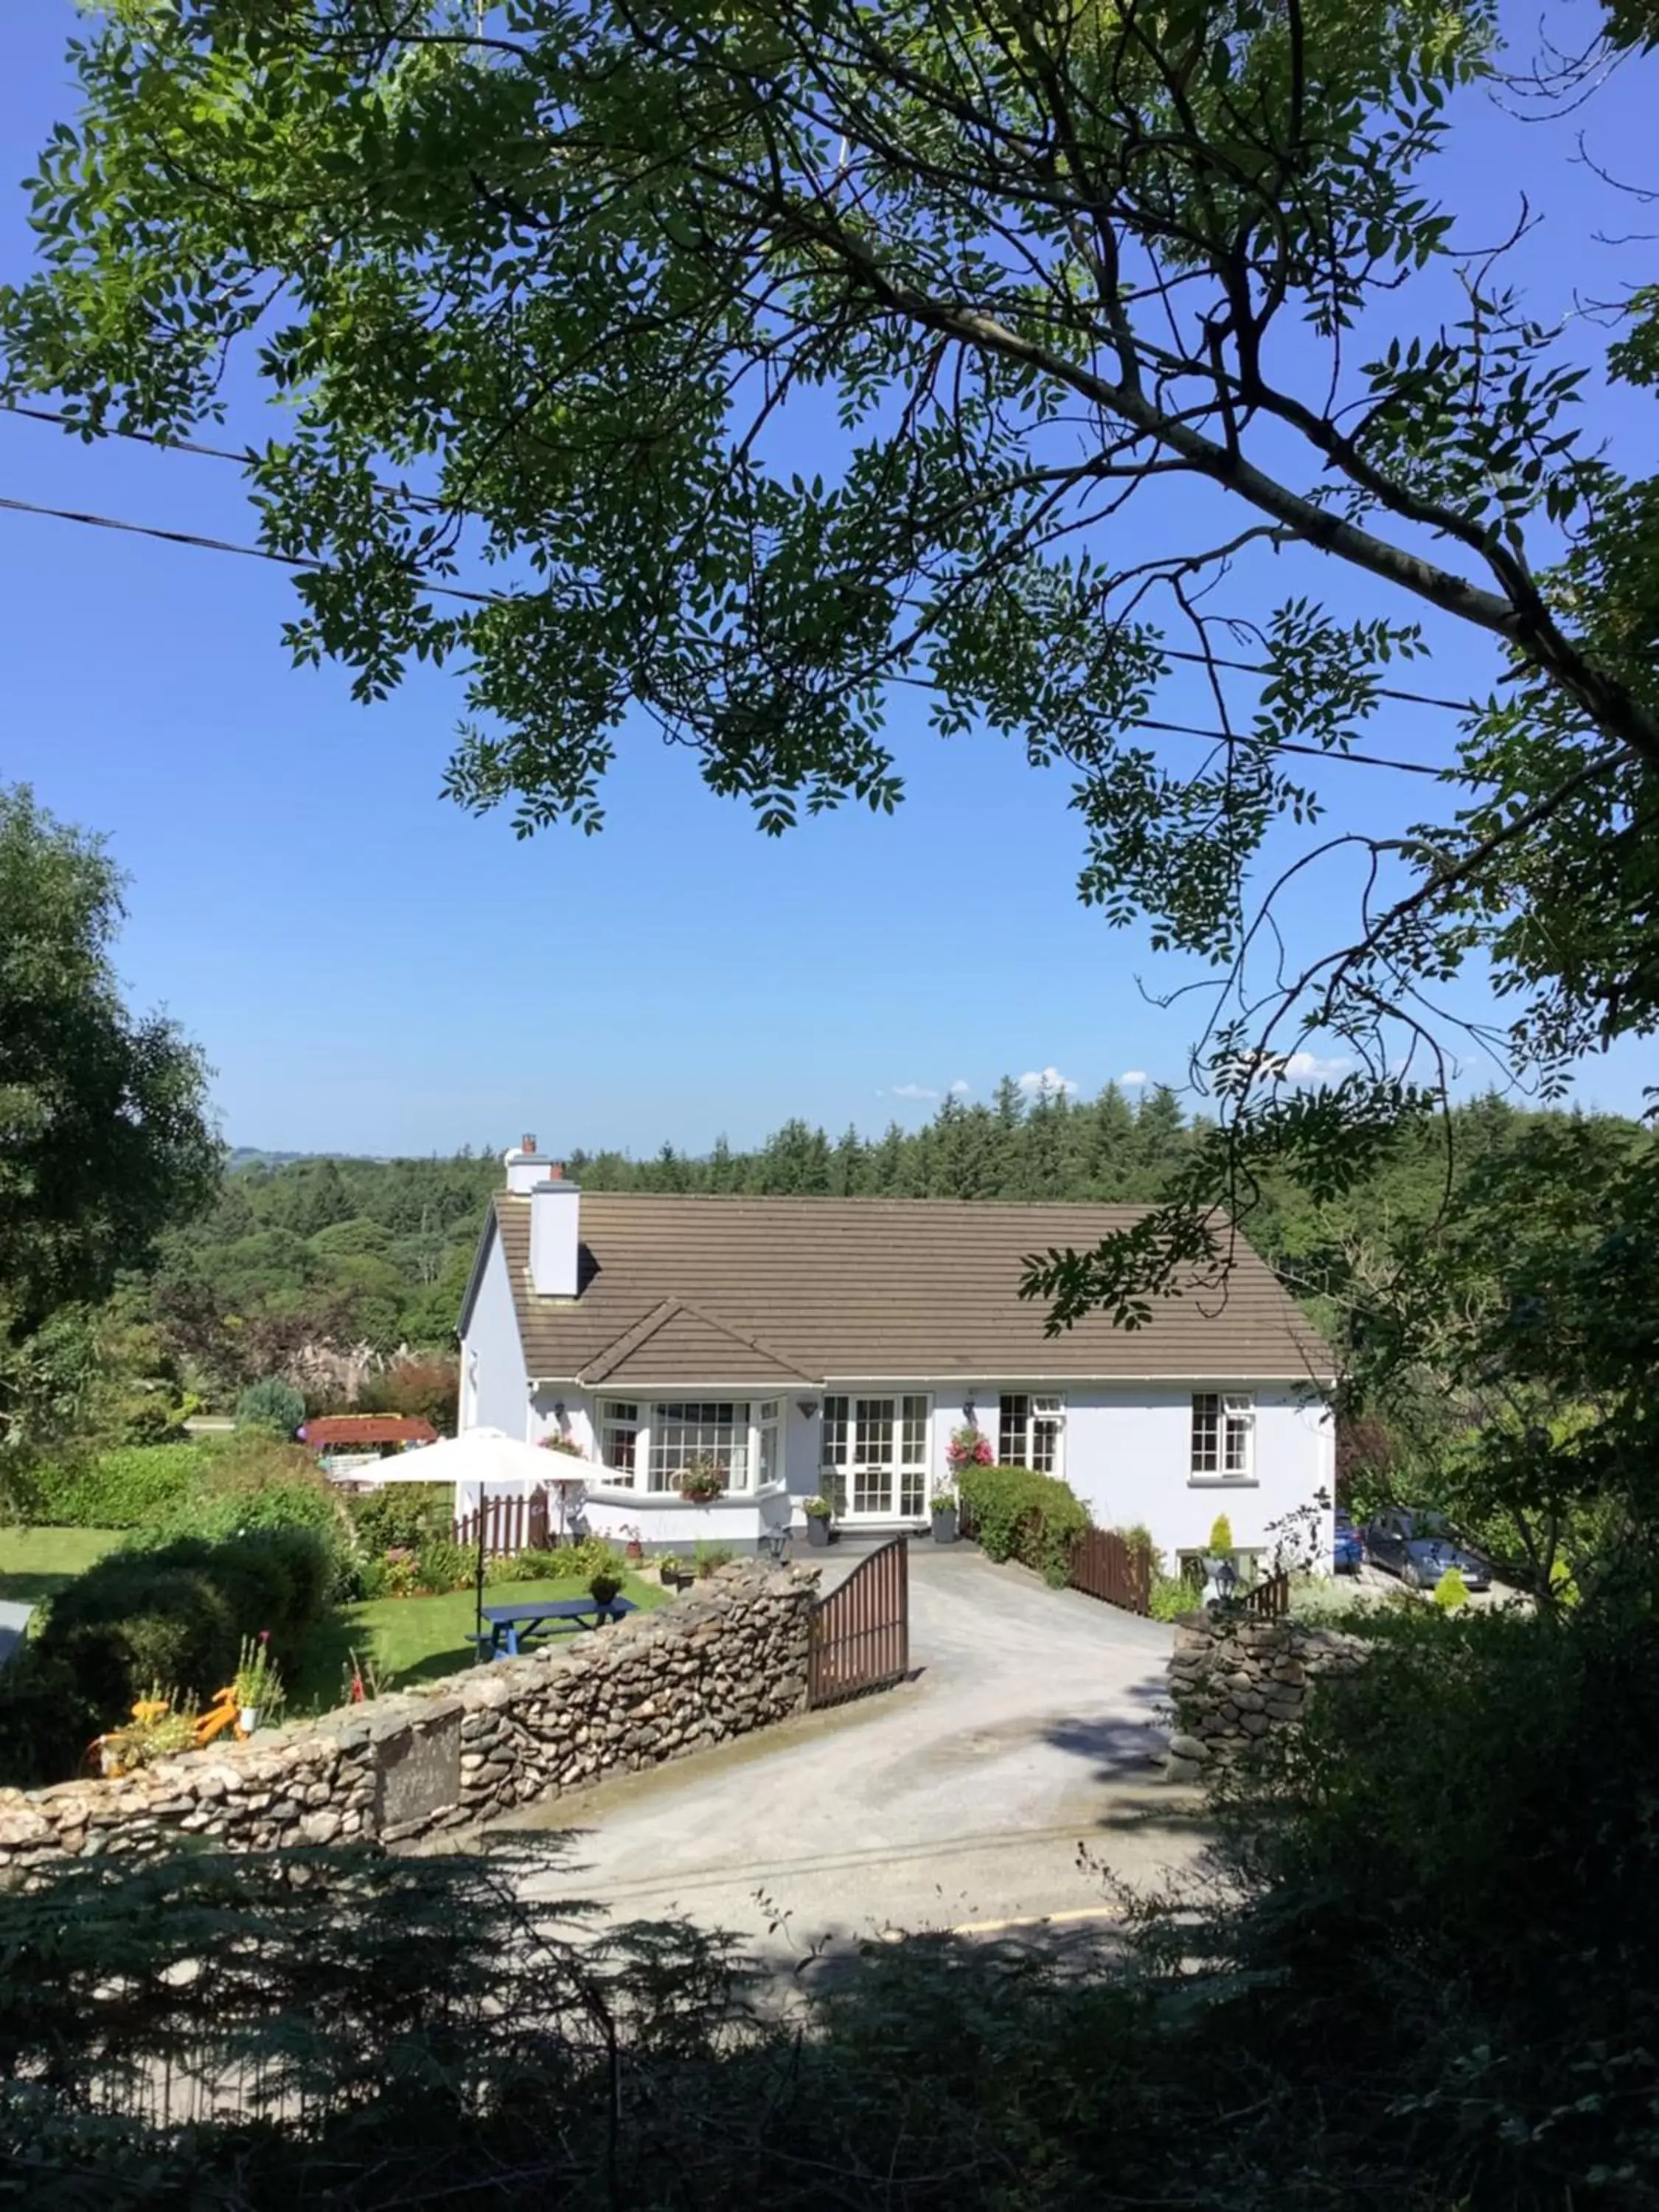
36 1563
416 1639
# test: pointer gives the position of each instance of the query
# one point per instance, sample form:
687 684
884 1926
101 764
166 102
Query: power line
193 538
246 456
225 545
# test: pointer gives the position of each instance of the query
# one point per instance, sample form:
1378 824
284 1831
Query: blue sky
370 970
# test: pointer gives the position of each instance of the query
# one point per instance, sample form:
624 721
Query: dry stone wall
729 1656
1233 1679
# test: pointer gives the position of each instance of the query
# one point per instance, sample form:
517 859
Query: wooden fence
1104 1566
510 1524
861 1631
1270 1599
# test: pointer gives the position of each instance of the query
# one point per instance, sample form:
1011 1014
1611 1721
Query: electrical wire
200 543
246 457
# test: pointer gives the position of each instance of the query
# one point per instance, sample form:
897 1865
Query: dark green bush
176 1616
273 1404
1020 1515
44 1720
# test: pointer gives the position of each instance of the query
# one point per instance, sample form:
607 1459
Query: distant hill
250 1155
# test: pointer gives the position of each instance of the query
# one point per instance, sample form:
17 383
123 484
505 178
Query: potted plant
819 1512
944 1507
258 1684
153 1732
969 1446
632 1549
673 1573
605 1587
701 1482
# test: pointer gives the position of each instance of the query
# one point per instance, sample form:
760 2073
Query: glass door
875 1452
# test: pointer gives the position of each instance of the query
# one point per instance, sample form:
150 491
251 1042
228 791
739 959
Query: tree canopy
104 1137
1129 344
105 1142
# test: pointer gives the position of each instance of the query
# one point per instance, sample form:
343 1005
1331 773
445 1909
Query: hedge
1020 1515
175 1617
132 1487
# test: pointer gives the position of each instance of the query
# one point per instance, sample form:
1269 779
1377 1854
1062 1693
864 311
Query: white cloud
1038 1080
1132 1078
961 1088
1308 1067
912 1091
1284 1067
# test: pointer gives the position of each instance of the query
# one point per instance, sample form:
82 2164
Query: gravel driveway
958 1800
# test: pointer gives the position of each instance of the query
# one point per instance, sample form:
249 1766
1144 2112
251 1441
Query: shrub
272 1404
131 1486
403 1514
1021 1515
178 1614
441 1564
545 1566
254 1481
593 1555
420 1389
45 1720
1451 1591
1221 1536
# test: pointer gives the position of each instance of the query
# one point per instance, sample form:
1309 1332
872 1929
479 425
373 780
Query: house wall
500 1400
1127 1455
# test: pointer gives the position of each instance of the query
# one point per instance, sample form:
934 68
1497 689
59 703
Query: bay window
652 1444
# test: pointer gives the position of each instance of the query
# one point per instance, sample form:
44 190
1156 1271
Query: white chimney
525 1168
555 1232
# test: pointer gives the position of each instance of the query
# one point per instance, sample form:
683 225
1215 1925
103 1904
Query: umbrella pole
483 1496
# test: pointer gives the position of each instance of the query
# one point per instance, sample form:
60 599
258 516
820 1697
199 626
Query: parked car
1419 1547
1348 1553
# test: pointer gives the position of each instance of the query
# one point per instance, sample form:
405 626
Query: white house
807 1344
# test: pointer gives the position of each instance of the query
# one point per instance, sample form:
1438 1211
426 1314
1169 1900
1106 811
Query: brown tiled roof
700 1290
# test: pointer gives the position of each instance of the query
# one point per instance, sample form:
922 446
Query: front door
875 1453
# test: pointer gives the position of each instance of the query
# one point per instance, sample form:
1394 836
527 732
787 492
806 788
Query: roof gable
871 1290
678 1343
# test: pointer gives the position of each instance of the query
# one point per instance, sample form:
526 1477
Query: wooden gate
510 1525
861 1631
1103 1566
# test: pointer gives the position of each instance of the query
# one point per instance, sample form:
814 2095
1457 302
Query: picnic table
512 1626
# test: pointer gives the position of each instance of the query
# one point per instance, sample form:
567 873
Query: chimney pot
526 1144
556 1173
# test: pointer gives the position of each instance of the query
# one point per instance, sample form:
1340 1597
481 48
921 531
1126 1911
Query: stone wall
728 1656
1233 1679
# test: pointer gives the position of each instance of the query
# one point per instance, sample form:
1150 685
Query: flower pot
248 1719
634 1551
605 1592
817 1531
944 1524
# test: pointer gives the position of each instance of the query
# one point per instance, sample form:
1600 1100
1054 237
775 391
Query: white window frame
1221 1455
1039 1432
763 1419
618 1417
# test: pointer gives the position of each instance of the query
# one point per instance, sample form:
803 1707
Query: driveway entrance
957 1800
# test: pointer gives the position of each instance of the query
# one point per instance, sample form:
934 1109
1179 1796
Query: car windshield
1429 1524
